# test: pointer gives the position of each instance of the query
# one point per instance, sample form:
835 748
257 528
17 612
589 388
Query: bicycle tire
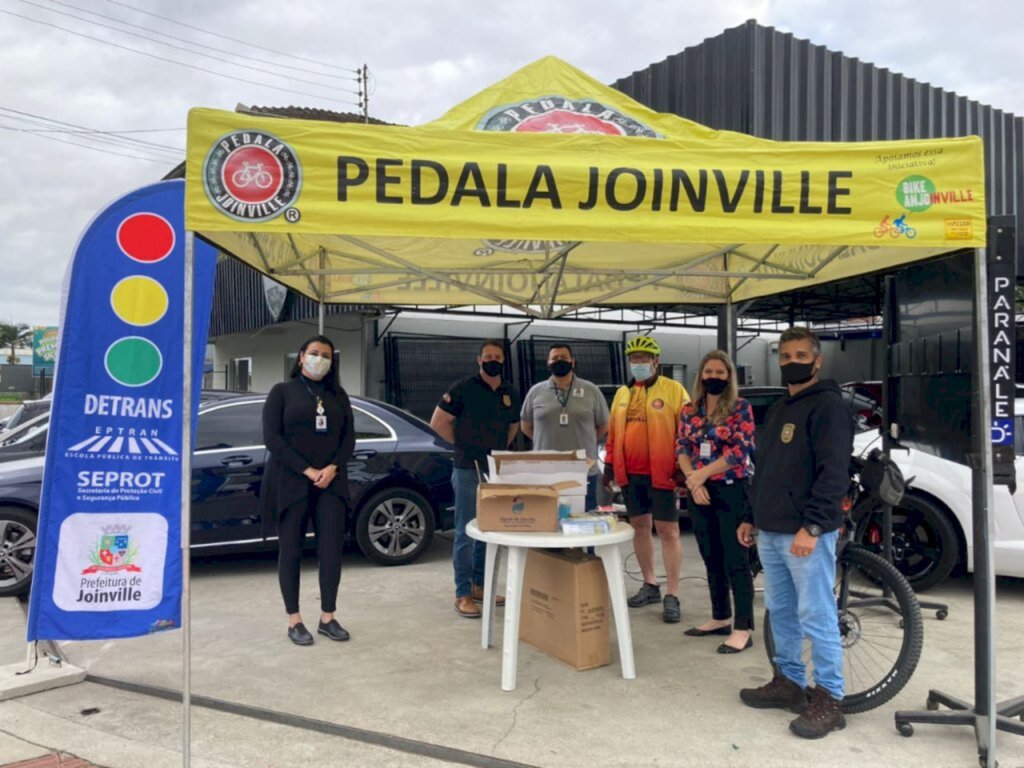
883 687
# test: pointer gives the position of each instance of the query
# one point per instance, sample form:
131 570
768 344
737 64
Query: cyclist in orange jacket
640 457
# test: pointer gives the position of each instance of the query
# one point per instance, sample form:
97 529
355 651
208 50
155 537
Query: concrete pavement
415 671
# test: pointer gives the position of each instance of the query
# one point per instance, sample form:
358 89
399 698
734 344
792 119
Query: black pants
327 513
727 562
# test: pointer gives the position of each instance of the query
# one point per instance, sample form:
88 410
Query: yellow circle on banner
139 300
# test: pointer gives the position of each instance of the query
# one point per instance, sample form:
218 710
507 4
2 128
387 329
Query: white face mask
315 367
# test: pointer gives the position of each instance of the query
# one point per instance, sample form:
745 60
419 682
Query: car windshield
26 431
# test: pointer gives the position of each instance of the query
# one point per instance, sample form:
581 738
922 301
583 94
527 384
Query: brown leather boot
465 607
477 593
821 715
780 693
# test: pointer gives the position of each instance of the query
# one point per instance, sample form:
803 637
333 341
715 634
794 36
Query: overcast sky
423 57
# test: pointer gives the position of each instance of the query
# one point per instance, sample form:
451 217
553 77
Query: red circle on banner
564 121
146 237
252 174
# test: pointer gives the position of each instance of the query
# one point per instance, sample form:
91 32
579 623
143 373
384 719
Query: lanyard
564 401
319 401
702 435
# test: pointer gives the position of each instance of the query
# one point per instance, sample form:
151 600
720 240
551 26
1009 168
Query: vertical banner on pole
1002 334
108 562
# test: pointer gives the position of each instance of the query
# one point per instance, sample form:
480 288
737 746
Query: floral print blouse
733 439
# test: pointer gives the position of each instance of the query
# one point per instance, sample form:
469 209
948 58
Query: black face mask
560 368
715 386
493 367
797 373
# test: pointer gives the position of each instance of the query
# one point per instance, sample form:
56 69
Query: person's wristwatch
813 529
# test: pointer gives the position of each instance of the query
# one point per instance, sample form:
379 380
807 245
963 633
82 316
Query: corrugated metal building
760 81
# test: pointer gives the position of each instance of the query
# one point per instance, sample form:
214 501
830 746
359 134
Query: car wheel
395 526
925 547
17 550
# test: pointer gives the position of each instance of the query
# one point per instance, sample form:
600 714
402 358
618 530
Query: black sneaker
670 612
333 630
300 635
780 693
647 594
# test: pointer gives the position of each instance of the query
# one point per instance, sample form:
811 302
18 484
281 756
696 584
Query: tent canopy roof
549 191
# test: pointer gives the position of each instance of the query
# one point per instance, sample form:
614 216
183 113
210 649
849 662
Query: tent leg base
961 713
44 677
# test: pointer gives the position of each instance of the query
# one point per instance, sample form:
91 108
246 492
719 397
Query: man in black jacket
801 479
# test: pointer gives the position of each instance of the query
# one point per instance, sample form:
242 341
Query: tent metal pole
186 495
727 329
982 478
321 290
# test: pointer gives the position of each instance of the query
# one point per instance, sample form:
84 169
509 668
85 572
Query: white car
932 527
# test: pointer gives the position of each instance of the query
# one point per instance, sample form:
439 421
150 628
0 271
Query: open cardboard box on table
565 607
519 507
550 468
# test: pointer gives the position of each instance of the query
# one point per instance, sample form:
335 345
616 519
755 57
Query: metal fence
419 369
22 380
600 362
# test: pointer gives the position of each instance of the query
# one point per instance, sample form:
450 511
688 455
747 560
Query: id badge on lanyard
563 419
321 417
705 449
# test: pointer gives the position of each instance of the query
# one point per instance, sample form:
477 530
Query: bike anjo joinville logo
252 176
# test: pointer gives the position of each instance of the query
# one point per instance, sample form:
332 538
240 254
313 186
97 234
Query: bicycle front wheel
880 626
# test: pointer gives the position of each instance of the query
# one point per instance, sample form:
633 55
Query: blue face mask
641 371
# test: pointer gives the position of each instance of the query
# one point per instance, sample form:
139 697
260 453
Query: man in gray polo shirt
566 413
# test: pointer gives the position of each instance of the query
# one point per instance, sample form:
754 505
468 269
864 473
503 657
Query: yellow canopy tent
550 191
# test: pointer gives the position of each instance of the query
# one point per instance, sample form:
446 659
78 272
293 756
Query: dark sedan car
399 476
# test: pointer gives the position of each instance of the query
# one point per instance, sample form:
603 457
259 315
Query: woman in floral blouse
716 436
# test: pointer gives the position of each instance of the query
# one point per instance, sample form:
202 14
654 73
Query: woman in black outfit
308 430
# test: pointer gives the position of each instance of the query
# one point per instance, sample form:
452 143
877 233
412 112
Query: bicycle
252 173
885 227
902 228
880 619
895 228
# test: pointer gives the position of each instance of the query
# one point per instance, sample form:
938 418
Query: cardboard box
565 608
543 468
523 507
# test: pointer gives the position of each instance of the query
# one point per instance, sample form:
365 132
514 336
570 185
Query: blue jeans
467 554
798 593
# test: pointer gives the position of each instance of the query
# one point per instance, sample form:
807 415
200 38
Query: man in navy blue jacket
801 479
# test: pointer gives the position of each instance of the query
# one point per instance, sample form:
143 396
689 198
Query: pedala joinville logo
252 176
555 114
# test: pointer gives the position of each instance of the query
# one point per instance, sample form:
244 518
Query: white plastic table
606 546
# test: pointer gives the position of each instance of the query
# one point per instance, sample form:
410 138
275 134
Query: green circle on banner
133 361
914 193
